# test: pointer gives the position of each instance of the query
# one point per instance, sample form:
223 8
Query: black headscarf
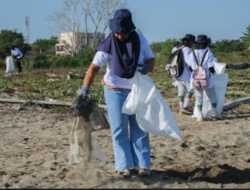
125 54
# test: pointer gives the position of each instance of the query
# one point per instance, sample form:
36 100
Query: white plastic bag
219 67
152 111
220 87
10 67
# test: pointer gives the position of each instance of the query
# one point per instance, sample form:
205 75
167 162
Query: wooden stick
235 103
12 100
226 106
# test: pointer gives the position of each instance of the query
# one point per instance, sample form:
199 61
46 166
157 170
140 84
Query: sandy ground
34 147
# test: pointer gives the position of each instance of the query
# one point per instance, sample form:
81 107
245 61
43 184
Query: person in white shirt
185 93
124 52
18 55
202 43
176 46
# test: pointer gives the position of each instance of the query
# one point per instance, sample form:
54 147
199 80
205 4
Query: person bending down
124 51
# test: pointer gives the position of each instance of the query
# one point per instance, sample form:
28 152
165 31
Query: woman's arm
90 75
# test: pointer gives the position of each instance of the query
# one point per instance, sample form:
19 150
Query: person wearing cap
202 43
18 55
125 52
176 46
182 82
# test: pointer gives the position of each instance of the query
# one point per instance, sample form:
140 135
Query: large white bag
152 111
10 67
219 67
220 86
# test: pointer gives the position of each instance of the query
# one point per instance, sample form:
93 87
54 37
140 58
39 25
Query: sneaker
185 111
199 117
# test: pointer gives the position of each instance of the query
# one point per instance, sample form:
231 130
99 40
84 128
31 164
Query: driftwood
71 76
35 102
226 106
40 102
235 103
238 66
238 82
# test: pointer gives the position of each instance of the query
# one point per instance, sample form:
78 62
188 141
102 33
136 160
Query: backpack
200 78
175 64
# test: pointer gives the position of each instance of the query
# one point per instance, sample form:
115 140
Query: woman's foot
199 116
144 172
124 172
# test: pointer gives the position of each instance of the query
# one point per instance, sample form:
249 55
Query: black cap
201 39
122 22
189 37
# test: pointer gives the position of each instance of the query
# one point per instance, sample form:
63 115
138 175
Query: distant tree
67 19
237 45
99 12
227 46
156 47
95 14
162 50
84 57
8 38
45 45
167 47
246 38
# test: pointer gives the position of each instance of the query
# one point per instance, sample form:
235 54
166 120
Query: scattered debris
238 66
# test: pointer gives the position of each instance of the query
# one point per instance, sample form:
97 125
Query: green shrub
233 57
41 62
2 63
85 57
63 61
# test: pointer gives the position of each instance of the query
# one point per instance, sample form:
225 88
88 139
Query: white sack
220 86
219 67
10 67
152 111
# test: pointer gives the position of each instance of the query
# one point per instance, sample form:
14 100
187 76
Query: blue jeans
130 144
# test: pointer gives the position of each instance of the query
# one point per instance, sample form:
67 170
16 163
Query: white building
71 42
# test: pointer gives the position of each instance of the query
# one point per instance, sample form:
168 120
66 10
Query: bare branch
68 20
94 14
101 11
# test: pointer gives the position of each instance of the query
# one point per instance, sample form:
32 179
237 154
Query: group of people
125 52
201 54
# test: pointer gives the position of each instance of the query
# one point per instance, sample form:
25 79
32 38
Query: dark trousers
18 63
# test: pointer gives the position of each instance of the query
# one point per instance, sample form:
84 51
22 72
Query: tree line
41 53
162 50
95 16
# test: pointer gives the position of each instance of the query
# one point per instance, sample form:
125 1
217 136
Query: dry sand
34 150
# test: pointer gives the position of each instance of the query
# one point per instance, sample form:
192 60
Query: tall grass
234 57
